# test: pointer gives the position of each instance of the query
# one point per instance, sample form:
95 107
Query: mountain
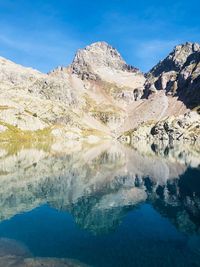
93 61
98 96
178 74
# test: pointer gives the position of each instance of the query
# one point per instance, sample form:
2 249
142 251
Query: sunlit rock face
98 55
100 61
98 185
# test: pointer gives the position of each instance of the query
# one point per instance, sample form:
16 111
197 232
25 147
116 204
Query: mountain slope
108 83
172 89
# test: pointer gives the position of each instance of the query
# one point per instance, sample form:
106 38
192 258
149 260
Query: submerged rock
15 254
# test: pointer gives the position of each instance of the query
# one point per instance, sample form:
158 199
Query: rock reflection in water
100 184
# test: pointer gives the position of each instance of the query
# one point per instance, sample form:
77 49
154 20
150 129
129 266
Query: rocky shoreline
184 128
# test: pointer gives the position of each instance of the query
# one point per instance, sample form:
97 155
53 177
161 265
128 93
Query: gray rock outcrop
178 74
98 55
184 128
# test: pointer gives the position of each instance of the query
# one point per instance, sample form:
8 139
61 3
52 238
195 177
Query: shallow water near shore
103 205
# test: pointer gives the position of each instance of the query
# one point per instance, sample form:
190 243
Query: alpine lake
99 205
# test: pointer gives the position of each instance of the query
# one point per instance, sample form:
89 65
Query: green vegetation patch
12 133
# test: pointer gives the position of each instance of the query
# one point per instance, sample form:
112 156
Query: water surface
105 205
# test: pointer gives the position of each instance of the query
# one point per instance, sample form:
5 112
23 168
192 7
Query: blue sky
44 34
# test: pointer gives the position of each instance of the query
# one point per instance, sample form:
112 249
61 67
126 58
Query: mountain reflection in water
100 185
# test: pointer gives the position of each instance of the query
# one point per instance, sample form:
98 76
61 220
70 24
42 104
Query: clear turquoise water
155 231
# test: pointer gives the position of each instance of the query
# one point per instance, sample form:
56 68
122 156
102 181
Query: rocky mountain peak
178 74
98 55
178 58
181 53
184 50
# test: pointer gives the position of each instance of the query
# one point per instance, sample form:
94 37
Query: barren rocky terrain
99 96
